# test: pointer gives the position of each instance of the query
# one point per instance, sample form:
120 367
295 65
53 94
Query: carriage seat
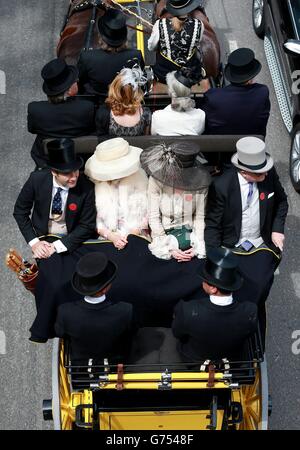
86 145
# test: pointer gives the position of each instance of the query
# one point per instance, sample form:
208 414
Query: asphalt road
28 33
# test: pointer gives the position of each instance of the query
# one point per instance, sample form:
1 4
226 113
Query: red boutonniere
189 197
72 207
262 196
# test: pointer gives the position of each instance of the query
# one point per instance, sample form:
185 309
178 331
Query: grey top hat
251 155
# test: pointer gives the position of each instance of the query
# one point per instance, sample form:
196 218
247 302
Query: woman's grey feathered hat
175 165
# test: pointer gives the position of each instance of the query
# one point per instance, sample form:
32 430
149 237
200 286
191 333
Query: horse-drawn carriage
214 395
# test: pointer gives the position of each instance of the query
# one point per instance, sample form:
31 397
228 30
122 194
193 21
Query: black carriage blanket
153 286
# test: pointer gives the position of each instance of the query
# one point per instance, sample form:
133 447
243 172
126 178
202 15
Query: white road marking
233 45
2 82
2 343
296 283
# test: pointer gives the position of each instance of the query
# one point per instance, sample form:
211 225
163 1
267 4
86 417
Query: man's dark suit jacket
73 118
98 68
37 194
223 218
235 109
208 331
96 331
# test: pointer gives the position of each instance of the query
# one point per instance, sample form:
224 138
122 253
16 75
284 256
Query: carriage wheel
63 416
255 401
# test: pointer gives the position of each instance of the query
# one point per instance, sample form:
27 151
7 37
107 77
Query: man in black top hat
215 326
59 201
63 115
98 67
95 327
242 107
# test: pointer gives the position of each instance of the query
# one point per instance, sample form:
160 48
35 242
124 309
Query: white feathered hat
113 159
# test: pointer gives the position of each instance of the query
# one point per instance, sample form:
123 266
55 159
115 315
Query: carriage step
278 83
47 410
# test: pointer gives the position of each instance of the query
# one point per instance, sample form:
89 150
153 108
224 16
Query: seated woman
177 193
98 67
123 114
176 39
180 118
120 191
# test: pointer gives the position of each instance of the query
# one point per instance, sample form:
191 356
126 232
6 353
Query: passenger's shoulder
248 307
261 87
224 179
85 183
40 175
37 105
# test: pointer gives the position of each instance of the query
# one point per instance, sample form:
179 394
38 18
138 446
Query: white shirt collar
94 300
243 181
224 300
56 185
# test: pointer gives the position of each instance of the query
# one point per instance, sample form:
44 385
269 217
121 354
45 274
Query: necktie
250 194
57 202
247 245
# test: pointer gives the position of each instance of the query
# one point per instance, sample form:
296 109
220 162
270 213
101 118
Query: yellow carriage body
196 400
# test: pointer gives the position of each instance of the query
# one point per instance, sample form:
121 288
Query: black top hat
62 157
112 27
221 271
181 7
58 77
176 166
93 273
242 66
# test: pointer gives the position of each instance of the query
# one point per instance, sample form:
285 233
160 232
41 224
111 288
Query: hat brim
79 287
114 169
189 179
234 77
63 87
268 166
184 10
67 167
221 284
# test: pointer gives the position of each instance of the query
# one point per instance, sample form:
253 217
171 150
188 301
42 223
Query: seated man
58 201
96 327
217 326
242 107
246 212
98 67
63 115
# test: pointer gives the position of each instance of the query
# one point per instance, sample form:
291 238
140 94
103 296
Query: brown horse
73 37
210 45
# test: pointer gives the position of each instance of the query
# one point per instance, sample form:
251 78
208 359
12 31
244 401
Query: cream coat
168 209
122 204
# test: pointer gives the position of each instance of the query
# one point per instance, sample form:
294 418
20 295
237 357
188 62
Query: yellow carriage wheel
254 399
62 411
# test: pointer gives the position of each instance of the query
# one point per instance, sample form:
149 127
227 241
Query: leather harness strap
211 376
119 385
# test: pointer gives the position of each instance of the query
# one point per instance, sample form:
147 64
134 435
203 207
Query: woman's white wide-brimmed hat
113 159
251 155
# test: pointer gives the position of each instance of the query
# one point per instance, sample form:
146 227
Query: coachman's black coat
98 68
237 109
73 118
36 197
96 331
206 330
